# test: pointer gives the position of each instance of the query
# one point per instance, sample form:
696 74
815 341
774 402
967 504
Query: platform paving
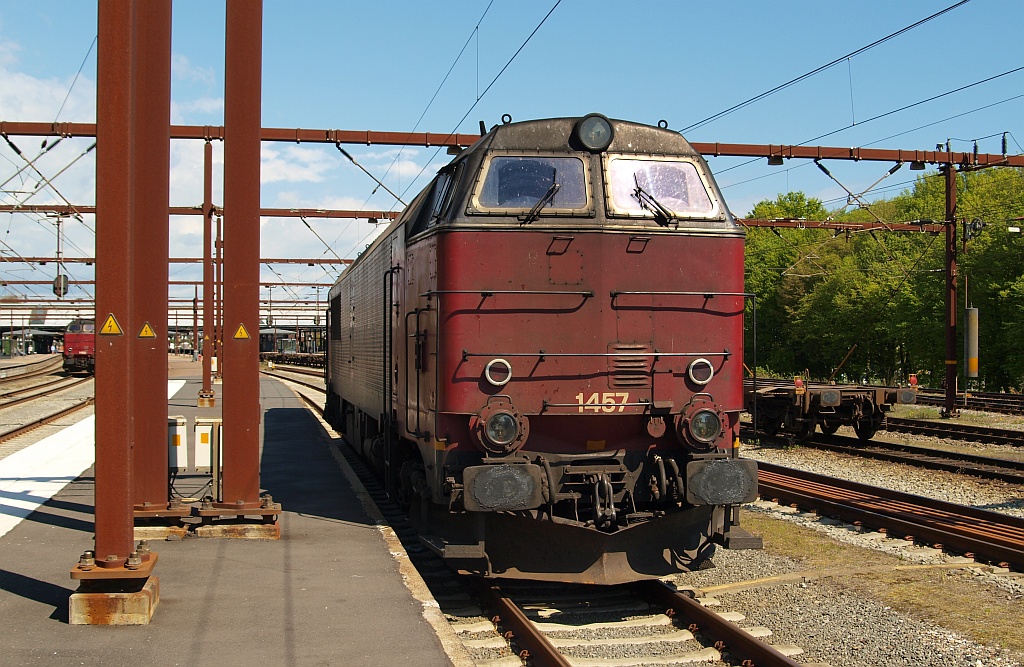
329 592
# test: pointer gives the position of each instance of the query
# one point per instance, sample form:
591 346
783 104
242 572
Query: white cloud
181 112
182 68
294 164
26 98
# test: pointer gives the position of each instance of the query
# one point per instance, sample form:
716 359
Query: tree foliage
820 292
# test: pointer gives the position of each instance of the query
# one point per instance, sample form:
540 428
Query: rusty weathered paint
151 137
241 530
119 602
241 398
114 280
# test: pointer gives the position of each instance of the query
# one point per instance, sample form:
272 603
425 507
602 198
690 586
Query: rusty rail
956 431
922 457
1002 403
22 430
41 394
534 646
742 646
988 535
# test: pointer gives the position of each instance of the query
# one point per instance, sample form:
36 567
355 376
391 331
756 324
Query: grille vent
629 371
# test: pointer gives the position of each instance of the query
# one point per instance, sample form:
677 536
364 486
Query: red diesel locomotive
80 346
543 355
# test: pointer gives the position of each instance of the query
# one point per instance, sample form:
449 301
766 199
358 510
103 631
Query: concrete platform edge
451 643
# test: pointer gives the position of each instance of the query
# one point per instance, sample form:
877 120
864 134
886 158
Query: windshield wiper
662 215
543 201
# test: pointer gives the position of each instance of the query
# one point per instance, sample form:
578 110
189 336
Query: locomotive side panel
357 354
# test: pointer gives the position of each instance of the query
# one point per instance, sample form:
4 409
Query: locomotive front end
587 318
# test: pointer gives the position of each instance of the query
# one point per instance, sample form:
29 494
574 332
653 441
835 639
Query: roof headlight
595 132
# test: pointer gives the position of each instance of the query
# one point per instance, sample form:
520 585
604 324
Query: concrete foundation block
114 602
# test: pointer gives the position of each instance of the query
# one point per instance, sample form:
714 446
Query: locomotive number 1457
607 401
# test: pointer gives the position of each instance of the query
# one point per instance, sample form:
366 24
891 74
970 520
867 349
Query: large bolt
143 547
87 561
134 561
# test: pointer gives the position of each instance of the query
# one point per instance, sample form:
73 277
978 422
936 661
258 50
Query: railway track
44 366
955 431
300 370
1010 404
989 536
923 457
281 376
653 623
22 430
48 387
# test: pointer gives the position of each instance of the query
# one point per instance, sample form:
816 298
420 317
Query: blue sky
376 65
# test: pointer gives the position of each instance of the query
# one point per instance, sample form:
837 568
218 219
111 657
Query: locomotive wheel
865 429
828 428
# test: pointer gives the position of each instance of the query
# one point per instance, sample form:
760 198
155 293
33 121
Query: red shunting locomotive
543 355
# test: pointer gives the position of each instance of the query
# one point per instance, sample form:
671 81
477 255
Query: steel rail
534 645
923 457
22 430
299 370
288 379
42 394
32 369
17 392
742 646
956 431
1009 404
988 535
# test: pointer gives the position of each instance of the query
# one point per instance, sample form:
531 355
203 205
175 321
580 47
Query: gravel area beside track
833 625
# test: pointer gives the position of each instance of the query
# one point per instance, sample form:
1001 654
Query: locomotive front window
660 188
515 183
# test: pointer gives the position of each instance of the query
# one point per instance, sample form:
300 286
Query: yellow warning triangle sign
111 327
147 331
241 332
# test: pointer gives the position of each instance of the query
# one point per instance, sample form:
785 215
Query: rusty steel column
206 398
243 72
949 406
147 325
114 115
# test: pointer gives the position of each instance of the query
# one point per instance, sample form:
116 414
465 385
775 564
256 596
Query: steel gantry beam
372 137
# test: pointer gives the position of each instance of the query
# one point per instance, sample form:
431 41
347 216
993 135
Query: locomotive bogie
545 352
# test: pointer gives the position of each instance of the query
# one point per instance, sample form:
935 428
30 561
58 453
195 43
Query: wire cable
818 70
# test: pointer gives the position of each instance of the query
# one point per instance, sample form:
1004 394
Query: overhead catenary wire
489 86
818 70
883 115
474 105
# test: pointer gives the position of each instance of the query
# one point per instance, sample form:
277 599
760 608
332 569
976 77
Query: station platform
332 591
